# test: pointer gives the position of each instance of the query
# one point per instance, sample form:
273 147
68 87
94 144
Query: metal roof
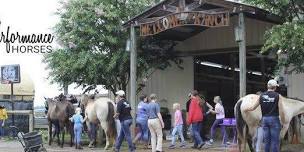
159 10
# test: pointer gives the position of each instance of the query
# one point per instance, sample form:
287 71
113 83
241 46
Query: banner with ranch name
195 18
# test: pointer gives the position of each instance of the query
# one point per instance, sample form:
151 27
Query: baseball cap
272 83
120 93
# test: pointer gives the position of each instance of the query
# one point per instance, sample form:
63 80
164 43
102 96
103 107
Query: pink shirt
178 118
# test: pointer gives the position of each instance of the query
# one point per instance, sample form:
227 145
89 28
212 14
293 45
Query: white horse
100 111
248 122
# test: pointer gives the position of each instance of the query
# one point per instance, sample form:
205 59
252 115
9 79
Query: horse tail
240 123
111 121
242 127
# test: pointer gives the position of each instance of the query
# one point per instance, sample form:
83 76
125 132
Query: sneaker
194 147
183 145
210 142
200 145
171 147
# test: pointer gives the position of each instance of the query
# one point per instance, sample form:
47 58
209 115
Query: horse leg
70 127
50 133
249 141
105 128
62 137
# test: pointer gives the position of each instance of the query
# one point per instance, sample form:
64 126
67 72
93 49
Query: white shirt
219 109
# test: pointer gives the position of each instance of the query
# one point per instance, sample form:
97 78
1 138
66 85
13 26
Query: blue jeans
77 132
179 129
216 124
124 133
272 128
1 129
93 131
143 129
196 133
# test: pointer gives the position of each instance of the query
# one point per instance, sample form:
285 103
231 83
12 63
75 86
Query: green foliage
287 39
93 45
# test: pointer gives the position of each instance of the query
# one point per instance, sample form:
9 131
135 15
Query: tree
286 39
93 45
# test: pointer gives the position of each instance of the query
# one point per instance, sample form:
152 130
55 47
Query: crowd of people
149 121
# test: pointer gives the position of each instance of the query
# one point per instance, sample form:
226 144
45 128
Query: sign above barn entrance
194 18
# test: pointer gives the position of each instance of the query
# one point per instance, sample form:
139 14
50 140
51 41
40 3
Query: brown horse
58 113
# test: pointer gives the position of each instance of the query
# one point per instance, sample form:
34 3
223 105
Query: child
220 115
3 117
78 120
178 126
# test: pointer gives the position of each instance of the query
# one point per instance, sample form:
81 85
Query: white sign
10 73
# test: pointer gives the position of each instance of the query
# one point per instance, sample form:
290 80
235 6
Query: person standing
270 102
178 126
3 117
142 120
155 124
220 115
78 121
123 113
195 117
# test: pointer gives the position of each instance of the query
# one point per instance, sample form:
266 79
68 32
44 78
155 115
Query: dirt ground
14 146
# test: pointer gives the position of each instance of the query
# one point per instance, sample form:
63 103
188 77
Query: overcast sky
28 17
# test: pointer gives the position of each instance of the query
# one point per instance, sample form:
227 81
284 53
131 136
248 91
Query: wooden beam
192 6
182 5
216 51
242 54
170 8
133 66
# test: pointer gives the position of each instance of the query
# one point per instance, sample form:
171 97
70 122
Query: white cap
120 93
272 83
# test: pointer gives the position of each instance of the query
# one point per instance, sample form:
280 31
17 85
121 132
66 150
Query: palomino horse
59 112
248 122
100 110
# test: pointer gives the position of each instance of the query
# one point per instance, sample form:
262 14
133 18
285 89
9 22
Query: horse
248 122
58 113
100 111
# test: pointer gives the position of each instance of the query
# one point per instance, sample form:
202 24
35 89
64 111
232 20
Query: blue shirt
142 110
153 109
77 119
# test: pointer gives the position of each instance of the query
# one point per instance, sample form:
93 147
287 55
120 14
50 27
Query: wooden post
133 61
12 101
242 54
31 121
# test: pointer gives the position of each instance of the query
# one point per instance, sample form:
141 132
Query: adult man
270 102
123 112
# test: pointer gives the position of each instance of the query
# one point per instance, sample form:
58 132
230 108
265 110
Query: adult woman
155 124
142 120
195 117
220 115
3 117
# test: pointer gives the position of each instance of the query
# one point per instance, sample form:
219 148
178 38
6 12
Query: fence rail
30 113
